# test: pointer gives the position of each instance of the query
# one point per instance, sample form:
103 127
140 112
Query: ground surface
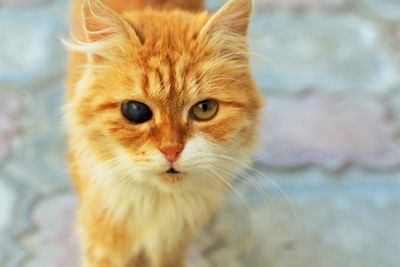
329 160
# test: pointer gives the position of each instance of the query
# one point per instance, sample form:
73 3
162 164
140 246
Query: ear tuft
97 28
232 19
101 22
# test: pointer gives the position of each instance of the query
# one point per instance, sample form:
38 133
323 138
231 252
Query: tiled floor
329 159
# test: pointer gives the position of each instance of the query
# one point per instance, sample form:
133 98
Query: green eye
205 110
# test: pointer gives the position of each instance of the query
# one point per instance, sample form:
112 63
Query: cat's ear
100 22
232 19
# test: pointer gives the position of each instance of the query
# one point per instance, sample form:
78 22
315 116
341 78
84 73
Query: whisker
247 166
244 201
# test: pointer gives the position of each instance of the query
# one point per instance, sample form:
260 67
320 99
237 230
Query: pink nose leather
172 152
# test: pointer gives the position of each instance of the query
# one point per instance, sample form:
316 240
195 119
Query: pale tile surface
329 152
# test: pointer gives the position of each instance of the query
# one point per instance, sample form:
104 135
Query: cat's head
165 98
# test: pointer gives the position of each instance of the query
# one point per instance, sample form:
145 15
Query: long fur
169 55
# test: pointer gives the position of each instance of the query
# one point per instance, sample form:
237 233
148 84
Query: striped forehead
169 80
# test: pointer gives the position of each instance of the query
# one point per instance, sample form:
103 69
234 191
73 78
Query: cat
161 109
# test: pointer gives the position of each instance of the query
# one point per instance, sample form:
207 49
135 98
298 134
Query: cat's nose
172 153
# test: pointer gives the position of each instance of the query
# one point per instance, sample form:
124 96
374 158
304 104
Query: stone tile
54 242
9 108
34 55
394 33
311 219
7 204
15 253
39 157
267 5
5 146
388 9
330 53
24 3
395 106
328 131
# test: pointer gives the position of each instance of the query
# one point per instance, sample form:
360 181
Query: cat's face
174 108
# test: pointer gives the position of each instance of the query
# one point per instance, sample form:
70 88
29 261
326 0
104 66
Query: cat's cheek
196 149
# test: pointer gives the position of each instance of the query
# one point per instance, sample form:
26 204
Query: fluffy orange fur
170 55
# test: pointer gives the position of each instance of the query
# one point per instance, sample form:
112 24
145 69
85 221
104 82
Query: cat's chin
169 182
172 178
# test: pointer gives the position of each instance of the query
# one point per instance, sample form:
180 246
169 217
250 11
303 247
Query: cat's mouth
172 171
172 176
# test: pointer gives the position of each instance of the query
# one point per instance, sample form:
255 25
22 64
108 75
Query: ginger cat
161 110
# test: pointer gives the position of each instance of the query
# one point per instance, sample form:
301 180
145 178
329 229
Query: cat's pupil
205 110
136 112
204 106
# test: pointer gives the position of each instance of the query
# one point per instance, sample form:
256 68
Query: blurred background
325 188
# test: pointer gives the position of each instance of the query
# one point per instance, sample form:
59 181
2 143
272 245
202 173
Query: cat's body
146 187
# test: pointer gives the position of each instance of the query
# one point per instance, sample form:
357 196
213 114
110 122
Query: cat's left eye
205 110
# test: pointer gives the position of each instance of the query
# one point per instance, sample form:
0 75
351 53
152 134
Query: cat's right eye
136 112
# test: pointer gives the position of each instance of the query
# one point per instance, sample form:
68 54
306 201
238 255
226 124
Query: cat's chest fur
153 220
